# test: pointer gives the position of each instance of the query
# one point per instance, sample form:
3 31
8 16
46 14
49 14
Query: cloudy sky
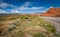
27 6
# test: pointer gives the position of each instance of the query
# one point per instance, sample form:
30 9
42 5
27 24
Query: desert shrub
17 23
39 35
50 28
12 18
20 33
10 29
59 35
24 17
47 25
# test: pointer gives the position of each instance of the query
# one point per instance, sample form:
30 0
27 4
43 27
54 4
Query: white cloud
2 11
29 10
51 7
5 5
26 4
23 8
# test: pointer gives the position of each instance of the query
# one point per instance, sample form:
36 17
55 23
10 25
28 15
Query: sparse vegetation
33 25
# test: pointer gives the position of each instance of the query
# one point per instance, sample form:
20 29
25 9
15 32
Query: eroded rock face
52 12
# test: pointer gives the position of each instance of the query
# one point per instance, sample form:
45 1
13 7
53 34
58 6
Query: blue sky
27 6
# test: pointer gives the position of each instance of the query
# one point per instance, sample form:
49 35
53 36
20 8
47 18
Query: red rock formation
52 12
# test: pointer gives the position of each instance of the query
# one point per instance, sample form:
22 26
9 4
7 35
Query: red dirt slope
52 12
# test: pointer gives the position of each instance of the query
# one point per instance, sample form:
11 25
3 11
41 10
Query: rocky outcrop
52 12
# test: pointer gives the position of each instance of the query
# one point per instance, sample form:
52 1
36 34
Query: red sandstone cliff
52 12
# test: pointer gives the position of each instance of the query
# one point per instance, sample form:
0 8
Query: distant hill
52 12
